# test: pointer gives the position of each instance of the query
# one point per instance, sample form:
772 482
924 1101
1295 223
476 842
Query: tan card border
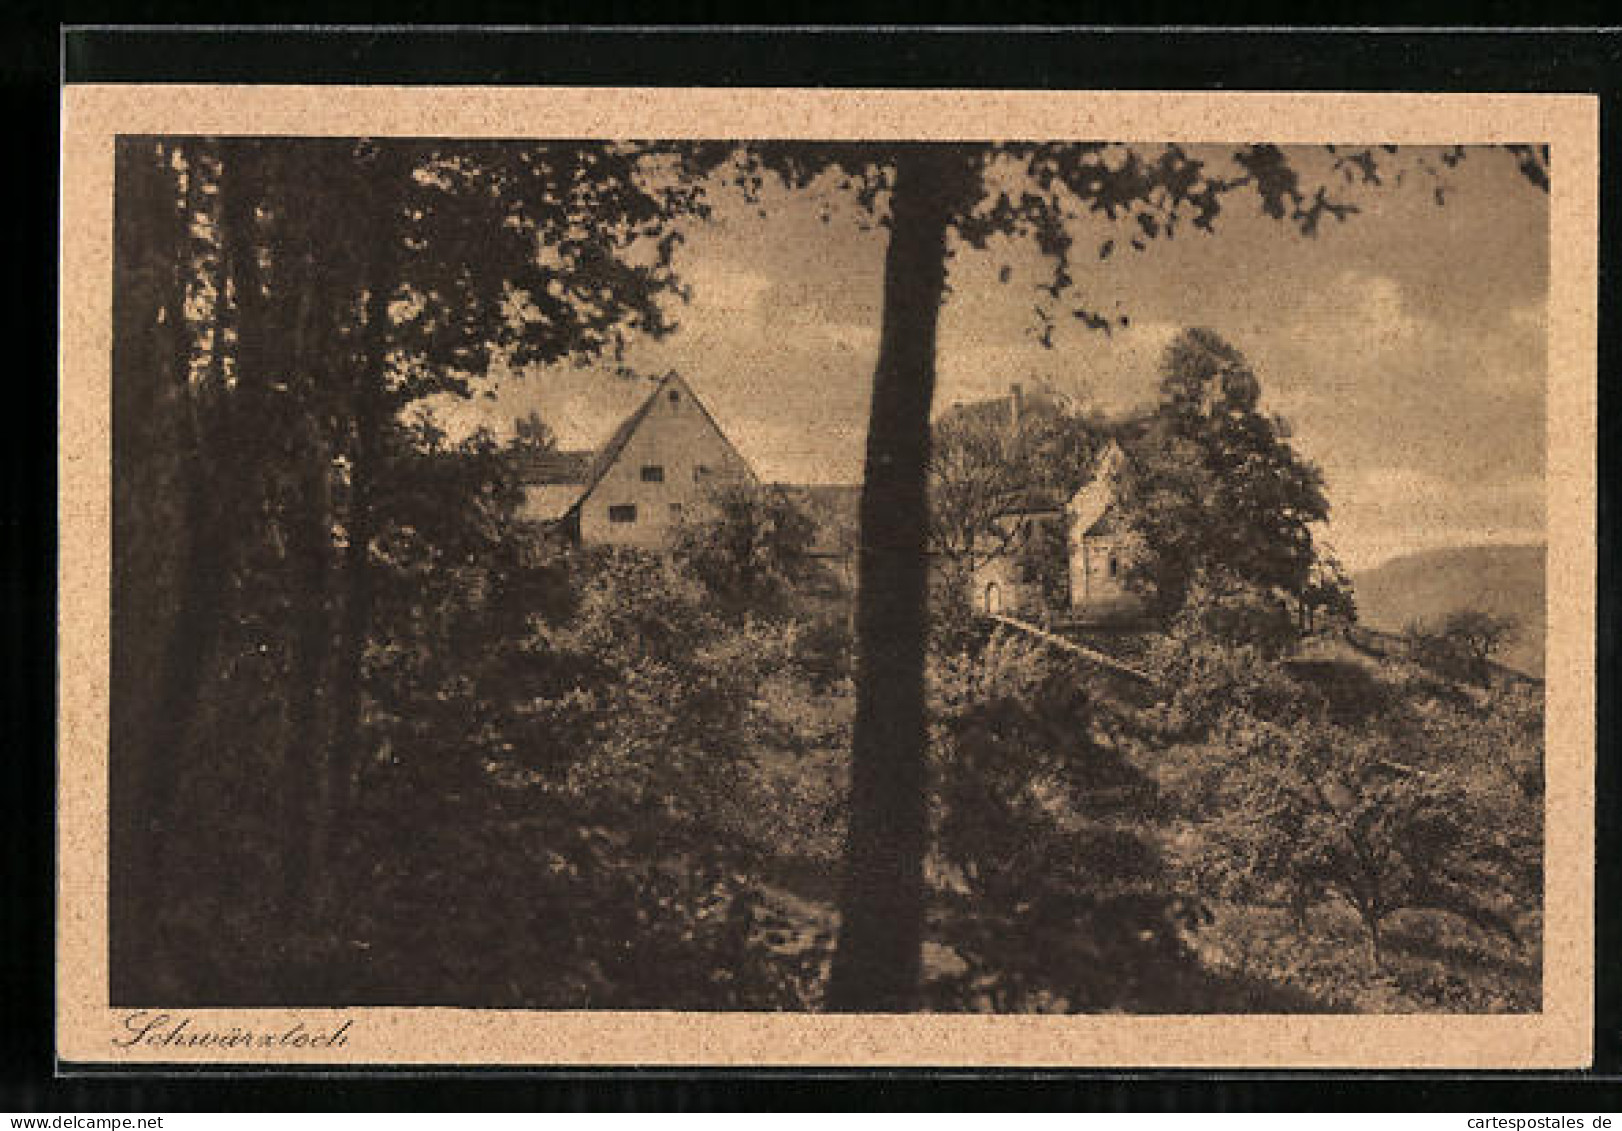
88 1030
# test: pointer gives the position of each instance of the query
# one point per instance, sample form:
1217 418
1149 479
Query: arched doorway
993 598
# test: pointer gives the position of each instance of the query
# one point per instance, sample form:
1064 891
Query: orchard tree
1463 644
1480 635
1318 810
938 197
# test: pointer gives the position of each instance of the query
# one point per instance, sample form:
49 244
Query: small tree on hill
1463 645
1327 599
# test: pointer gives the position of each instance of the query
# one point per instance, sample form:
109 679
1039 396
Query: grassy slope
1248 957
1504 580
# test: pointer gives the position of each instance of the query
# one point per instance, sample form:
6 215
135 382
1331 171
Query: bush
1226 611
825 649
581 791
748 545
1209 683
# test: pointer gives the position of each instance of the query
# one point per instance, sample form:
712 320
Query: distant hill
1503 580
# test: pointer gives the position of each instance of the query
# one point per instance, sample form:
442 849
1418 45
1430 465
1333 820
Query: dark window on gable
653 473
623 513
675 397
1114 566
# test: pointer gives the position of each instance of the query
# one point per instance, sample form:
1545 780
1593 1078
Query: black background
37 54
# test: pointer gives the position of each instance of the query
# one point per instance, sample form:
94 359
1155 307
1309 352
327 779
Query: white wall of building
675 453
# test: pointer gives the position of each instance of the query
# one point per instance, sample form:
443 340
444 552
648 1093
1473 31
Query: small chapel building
1098 546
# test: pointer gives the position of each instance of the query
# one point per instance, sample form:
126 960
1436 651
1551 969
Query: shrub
579 790
1224 610
825 649
748 545
1208 682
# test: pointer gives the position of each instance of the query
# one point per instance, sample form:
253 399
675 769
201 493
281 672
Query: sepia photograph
791 575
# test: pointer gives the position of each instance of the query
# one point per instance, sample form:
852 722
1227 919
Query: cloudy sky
1406 346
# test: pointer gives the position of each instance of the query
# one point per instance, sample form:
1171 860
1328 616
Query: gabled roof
556 482
1110 453
1001 411
1094 501
536 468
994 412
610 452
549 502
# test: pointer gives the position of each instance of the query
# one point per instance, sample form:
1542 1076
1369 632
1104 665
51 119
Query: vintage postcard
810 577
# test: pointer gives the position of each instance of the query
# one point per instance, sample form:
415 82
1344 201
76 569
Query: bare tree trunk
303 787
370 408
215 469
151 350
355 622
877 964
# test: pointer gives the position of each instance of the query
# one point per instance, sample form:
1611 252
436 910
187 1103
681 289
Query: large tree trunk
150 350
214 468
877 965
303 786
370 406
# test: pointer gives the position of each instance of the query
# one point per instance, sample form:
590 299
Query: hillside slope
1503 580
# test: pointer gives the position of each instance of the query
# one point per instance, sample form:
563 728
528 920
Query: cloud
723 285
1379 512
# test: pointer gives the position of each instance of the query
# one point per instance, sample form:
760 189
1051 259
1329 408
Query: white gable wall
677 437
1101 554
1098 572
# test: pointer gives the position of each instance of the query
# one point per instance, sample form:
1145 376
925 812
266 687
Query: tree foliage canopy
1219 488
987 469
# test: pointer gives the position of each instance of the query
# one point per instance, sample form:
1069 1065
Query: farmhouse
654 471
